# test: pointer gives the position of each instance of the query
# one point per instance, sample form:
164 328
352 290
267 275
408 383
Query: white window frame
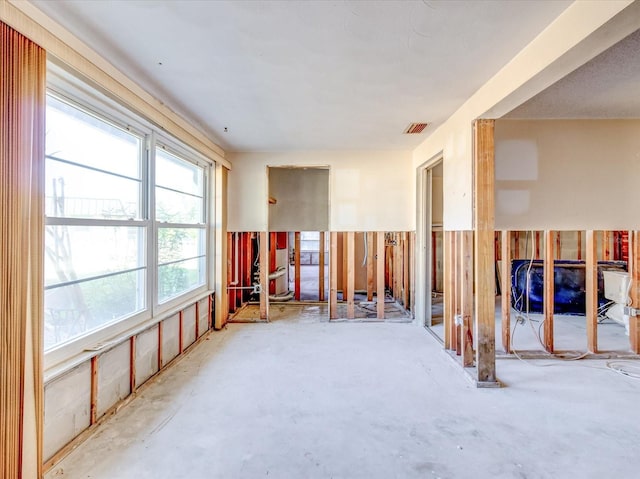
92 100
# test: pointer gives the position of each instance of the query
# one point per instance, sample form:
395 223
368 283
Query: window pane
177 174
78 252
76 192
74 310
174 207
76 136
176 244
180 277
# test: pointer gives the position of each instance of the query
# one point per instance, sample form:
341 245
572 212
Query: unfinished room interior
319 239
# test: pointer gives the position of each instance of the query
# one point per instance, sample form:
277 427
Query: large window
102 264
180 216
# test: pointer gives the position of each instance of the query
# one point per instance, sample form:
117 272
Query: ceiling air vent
415 128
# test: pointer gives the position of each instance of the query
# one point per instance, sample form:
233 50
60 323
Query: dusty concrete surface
312 399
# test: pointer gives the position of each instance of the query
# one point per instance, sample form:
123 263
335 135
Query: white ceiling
608 86
308 75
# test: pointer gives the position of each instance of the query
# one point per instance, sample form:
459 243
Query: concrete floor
303 398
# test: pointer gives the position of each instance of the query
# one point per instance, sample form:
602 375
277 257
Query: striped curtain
22 134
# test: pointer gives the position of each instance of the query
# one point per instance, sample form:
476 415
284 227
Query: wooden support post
455 242
397 264
351 278
160 340
549 290
516 244
412 271
380 262
264 275
181 332
321 248
457 331
505 286
591 291
434 266
634 274
333 275
344 267
273 261
449 287
210 313
370 264
239 266
537 245
484 218
296 265
579 246
466 293
132 364
559 245
94 390
607 239
248 265
405 270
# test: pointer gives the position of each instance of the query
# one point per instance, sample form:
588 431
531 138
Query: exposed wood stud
180 332
516 244
248 264
197 325
412 269
132 364
537 245
380 262
466 292
448 282
94 390
579 240
345 280
296 264
634 273
505 286
558 245
264 275
434 266
455 246
230 293
484 218
321 260
351 284
606 247
160 345
333 275
239 269
549 289
405 270
591 290
370 264
210 313
273 260
457 330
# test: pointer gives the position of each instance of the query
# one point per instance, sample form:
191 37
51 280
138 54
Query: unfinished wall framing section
79 399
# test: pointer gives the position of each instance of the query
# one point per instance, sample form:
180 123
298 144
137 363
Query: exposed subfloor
312 399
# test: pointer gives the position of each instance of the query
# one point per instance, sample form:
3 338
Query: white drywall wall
113 377
146 355
67 408
368 191
567 174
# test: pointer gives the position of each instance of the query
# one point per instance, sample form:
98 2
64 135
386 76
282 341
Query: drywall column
264 275
505 286
591 290
549 290
221 311
484 218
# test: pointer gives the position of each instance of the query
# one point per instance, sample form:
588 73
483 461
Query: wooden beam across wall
466 294
549 289
370 264
333 275
264 275
321 248
505 286
380 262
634 273
484 263
296 264
591 290
351 278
